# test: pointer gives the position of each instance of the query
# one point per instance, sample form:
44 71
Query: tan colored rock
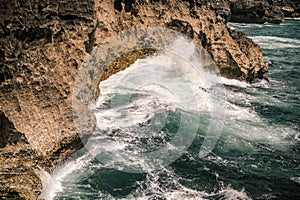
261 11
42 46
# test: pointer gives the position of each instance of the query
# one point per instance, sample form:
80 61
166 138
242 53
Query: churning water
255 157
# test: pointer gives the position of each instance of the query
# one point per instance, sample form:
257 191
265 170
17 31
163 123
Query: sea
186 136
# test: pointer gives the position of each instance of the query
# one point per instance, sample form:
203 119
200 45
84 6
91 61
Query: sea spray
256 156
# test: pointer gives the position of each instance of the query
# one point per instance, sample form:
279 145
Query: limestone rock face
220 7
42 46
290 8
197 19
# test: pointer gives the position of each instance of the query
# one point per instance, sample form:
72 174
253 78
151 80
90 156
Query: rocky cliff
42 46
255 11
261 11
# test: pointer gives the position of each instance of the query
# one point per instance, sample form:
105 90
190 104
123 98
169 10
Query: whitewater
254 156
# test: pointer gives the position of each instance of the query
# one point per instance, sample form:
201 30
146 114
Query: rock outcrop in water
273 11
42 45
255 11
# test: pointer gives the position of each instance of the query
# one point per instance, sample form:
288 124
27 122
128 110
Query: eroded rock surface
261 11
42 46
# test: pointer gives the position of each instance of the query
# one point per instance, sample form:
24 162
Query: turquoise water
256 156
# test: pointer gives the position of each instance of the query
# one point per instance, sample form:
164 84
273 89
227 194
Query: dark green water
256 157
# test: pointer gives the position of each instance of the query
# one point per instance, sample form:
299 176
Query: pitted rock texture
255 11
261 11
193 19
42 46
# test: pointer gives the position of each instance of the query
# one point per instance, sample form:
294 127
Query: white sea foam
175 190
271 42
173 80
52 183
290 18
177 85
296 179
243 25
244 126
153 98
234 82
156 99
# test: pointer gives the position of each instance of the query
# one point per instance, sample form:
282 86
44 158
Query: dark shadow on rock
8 133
